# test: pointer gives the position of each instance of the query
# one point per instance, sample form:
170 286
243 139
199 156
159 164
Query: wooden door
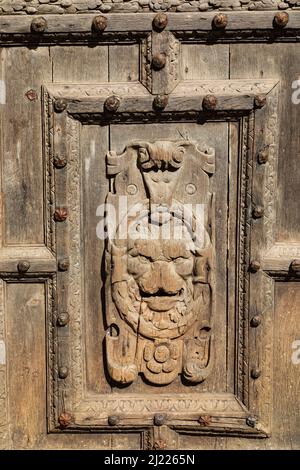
149 243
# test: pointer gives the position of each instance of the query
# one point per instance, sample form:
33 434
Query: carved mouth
161 301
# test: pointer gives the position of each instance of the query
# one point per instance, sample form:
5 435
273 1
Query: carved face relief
159 280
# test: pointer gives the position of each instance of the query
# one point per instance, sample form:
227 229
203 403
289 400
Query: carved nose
162 278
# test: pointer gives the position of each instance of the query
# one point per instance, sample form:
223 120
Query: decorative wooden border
253 103
78 28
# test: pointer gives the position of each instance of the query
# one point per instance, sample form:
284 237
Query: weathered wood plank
278 61
25 305
124 63
237 20
79 64
204 62
22 167
94 146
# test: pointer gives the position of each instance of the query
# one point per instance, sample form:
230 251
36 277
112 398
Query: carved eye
180 259
143 259
143 154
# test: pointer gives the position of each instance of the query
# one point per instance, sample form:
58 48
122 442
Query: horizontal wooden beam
278 261
189 96
16 260
142 22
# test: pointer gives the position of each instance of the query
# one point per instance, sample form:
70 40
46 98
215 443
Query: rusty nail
251 421
38 25
255 373
63 319
257 212
204 420
281 19
159 419
63 264
65 419
160 102
158 61
60 104
60 214
23 266
220 21
31 95
160 21
263 156
260 101
59 162
113 420
295 265
209 102
99 24
160 444
111 103
254 266
255 321
63 372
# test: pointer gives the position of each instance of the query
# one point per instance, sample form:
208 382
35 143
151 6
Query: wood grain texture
278 61
123 63
25 305
22 166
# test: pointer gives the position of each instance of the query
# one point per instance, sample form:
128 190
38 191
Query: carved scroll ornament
159 288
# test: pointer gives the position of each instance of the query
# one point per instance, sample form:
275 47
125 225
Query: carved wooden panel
162 300
160 272
139 220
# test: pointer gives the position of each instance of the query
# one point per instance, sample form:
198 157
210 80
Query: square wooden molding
252 105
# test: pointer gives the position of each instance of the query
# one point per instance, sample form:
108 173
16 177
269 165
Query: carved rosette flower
161 357
159 5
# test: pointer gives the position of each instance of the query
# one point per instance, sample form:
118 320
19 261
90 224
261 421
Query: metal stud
257 212
160 102
281 19
99 24
254 266
251 421
111 104
204 420
160 21
63 319
63 372
263 156
159 419
60 104
160 444
38 25
65 419
158 61
255 321
220 21
59 162
63 264
209 102
113 420
255 373
260 101
295 265
23 266
60 214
